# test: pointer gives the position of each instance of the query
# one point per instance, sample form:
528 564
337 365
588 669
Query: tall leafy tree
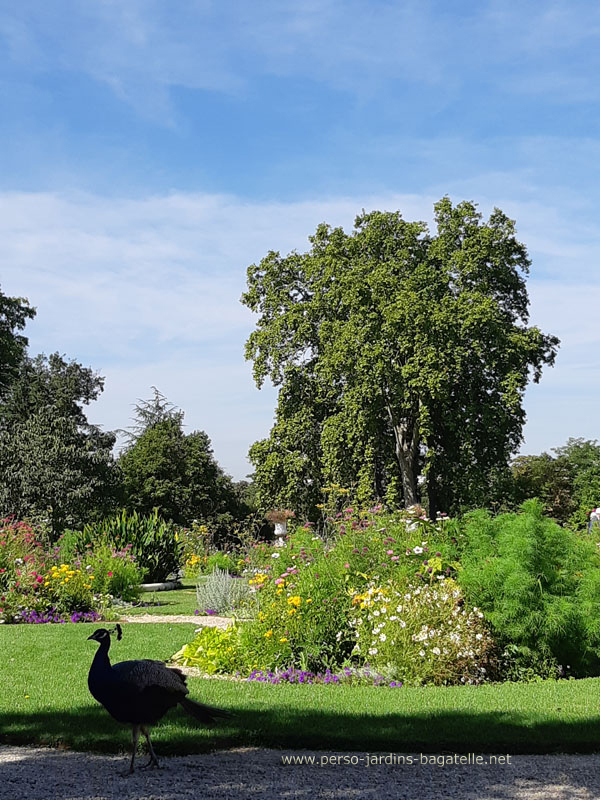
53 462
400 355
14 313
176 473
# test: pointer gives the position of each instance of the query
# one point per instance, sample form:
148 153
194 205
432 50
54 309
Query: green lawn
44 699
179 601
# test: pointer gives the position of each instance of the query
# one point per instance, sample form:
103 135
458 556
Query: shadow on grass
90 728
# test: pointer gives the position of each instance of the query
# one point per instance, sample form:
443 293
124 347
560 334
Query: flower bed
515 597
40 583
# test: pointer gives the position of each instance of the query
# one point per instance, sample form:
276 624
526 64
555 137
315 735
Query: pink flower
390 552
346 566
109 574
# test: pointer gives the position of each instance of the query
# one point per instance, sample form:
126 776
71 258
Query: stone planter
280 533
166 586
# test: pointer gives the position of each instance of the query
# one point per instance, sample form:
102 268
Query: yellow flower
320 505
46 583
283 639
294 601
309 600
279 591
261 616
268 634
292 611
92 578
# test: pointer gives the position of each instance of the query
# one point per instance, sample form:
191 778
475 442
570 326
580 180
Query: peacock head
103 635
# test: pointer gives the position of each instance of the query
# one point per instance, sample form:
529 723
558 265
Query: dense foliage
175 473
399 354
537 584
53 462
14 313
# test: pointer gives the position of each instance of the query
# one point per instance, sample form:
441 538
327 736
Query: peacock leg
153 762
135 735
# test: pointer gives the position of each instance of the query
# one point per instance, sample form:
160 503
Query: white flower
479 636
436 650
372 651
402 623
393 618
422 653
338 636
274 555
383 637
418 550
376 613
384 609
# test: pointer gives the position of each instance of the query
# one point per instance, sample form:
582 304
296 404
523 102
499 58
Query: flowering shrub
23 562
424 633
196 544
116 572
70 588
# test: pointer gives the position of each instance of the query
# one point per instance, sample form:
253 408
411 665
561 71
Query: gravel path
251 774
214 622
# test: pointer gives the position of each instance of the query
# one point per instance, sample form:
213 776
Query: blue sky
152 150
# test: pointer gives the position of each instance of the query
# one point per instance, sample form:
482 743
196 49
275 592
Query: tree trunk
406 435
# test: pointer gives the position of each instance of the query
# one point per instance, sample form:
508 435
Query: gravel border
199 621
251 773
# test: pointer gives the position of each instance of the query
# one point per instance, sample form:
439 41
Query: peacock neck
101 661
